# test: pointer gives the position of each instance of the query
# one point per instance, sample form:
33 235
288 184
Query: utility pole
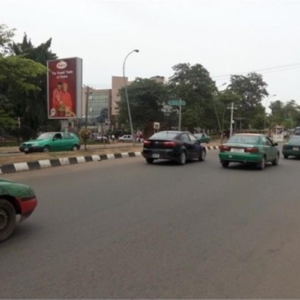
180 115
231 118
87 105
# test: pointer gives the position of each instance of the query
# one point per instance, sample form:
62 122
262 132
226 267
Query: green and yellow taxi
255 149
292 147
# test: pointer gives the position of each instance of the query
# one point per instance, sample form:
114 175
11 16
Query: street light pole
266 109
126 95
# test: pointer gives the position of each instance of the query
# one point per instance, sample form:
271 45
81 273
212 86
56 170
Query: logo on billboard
61 65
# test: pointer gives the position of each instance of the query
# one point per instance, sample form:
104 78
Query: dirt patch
10 159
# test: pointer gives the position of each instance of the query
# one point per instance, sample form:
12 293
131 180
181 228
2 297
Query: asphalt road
125 229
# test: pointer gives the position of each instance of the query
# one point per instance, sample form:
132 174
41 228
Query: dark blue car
178 146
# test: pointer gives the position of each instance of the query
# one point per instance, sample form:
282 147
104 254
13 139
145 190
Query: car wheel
202 155
182 158
75 148
149 160
286 156
262 164
46 149
7 219
275 162
225 164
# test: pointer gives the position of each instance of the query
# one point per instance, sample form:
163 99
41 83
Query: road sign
177 103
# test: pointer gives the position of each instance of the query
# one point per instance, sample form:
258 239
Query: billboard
64 88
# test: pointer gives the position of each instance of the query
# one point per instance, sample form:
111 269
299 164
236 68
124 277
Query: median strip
65 161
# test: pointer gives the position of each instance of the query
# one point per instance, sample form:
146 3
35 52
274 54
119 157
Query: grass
4 160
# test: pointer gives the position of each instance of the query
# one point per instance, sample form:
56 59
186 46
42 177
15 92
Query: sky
226 37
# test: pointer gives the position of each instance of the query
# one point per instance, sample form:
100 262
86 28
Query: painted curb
58 162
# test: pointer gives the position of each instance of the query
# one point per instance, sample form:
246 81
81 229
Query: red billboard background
63 88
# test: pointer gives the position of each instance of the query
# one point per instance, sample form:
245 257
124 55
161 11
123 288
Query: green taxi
52 141
202 137
292 147
255 149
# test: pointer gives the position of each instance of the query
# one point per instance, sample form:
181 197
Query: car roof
173 131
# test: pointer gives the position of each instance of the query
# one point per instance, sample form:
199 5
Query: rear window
244 139
294 140
164 135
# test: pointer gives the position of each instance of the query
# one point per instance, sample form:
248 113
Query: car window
270 142
184 138
294 140
67 136
164 135
244 139
266 141
58 136
192 138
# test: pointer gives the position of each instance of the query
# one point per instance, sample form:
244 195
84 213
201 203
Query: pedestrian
113 138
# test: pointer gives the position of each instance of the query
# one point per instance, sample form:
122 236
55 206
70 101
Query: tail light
224 148
147 143
252 150
170 144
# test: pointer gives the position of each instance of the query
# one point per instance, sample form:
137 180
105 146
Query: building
103 103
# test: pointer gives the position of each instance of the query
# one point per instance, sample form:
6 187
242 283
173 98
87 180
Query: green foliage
85 134
23 85
193 84
146 98
251 90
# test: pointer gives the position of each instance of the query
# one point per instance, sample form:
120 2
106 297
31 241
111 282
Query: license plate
296 148
26 149
155 155
236 150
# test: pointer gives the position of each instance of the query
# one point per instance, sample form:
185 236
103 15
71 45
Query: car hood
17 190
34 141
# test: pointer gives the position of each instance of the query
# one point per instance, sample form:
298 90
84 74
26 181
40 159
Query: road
125 229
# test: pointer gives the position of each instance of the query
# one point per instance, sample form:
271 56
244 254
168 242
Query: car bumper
31 149
241 157
27 205
291 152
160 154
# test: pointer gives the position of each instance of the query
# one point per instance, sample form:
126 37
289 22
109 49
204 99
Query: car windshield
294 140
244 139
164 135
45 136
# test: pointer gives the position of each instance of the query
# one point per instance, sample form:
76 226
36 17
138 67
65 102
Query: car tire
75 148
225 164
8 220
275 162
262 164
182 158
286 156
46 149
149 160
202 155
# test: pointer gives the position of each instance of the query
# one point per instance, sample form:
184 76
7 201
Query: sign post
179 103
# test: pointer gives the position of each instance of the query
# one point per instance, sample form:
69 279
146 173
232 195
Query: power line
264 71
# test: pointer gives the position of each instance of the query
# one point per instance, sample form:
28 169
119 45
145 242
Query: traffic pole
180 115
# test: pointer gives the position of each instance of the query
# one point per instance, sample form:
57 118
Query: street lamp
266 108
126 94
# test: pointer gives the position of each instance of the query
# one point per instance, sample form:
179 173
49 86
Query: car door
67 142
273 149
196 146
187 143
57 143
267 147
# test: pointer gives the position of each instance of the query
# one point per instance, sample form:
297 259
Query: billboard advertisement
64 88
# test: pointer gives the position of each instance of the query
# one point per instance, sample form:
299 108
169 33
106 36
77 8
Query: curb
58 162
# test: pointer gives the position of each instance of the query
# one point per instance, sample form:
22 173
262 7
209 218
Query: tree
18 78
146 99
251 89
194 85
